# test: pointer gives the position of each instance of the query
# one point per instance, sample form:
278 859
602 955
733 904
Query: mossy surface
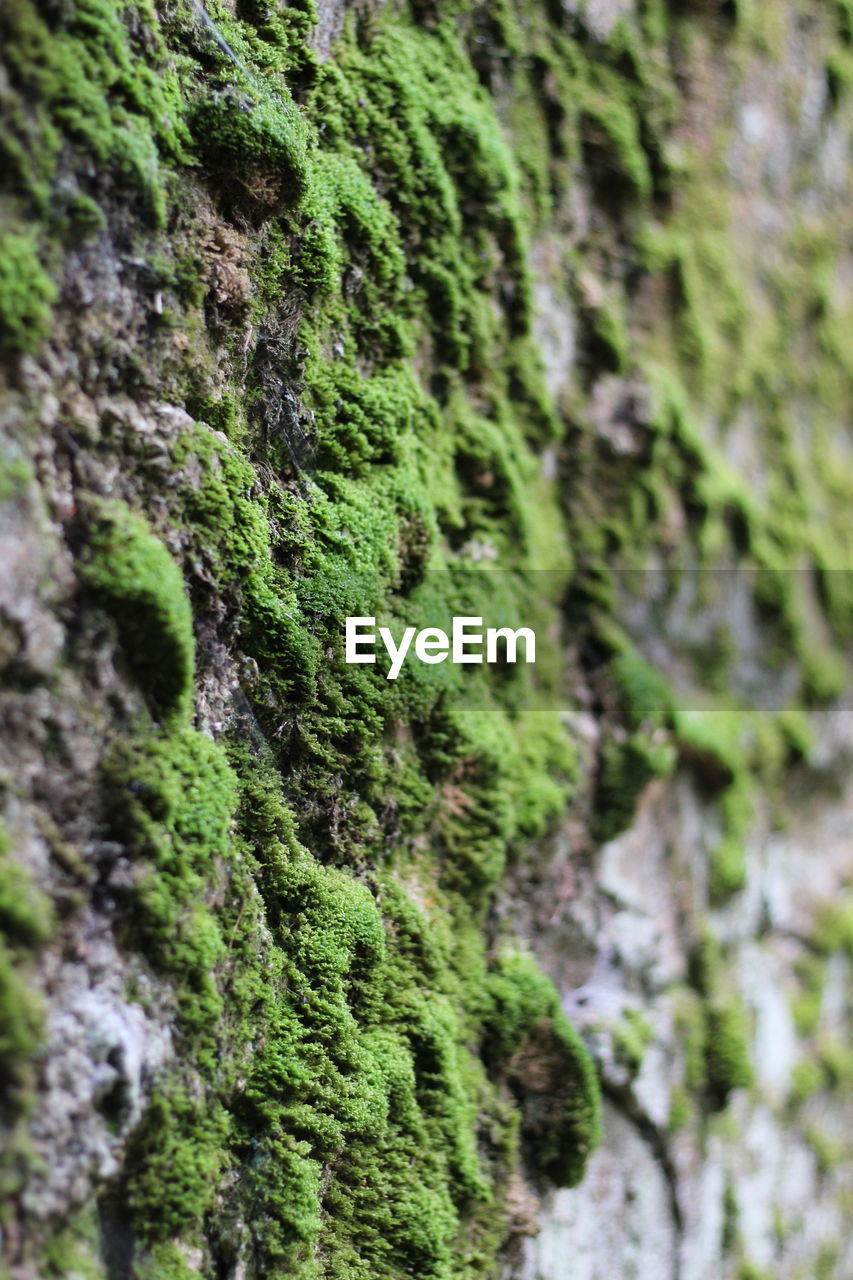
362 1066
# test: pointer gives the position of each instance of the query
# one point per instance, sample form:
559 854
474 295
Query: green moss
837 1062
626 767
731 1218
91 94
171 798
27 294
727 862
829 1151
75 1249
834 928
20 1033
645 696
807 1078
175 1156
826 1263
254 147
724 1033
610 134
680 1109
547 1062
133 577
727 1049
25 923
749 1271
726 870
26 915
631 1037
806 1004
16 476
360 1058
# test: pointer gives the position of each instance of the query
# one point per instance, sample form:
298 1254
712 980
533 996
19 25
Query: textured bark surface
535 311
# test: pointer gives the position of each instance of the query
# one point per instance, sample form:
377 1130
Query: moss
606 339
353 1060
749 1271
731 1218
724 1029
727 1049
645 696
27 294
609 130
16 477
547 1062
256 149
829 1151
836 1059
807 1078
93 95
26 915
807 1002
834 928
176 1156
726 870
76 1249
132 576
631 1037
727 862
20 1033
826 1263
171 797
26 919
626 767
680 1109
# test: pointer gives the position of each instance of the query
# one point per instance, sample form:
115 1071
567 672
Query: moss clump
254 146
547 1064
750 1271
20 1031
726 870
726 1049
27 294
680 1109
133 577
626 766
807 1002
25 923
834 928
610 135
176 1157
95 97
807 1079
26 914
75 1249
171 797
724 1029
342 1053
631 1037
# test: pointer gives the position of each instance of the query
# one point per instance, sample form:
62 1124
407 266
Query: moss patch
131 574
